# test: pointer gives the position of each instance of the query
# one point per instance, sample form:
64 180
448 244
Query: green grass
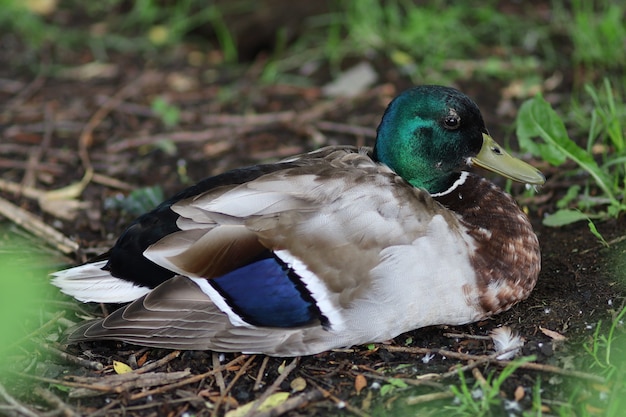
605 355
542 132
484 398
107 27
21 294
429 42
598 34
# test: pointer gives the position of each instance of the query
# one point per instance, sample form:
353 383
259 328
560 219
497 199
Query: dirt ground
53 130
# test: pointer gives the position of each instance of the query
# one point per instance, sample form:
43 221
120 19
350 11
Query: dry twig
190 380
13 406
272 388
60 406
238 375
96 366
292 403
37 227
259 376
527 365
157 364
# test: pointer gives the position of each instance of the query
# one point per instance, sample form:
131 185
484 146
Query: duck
338 247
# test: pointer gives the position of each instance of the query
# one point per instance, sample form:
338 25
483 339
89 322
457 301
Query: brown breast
506 258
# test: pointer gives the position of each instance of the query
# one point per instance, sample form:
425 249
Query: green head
429 133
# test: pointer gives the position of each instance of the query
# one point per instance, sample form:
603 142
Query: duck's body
332 248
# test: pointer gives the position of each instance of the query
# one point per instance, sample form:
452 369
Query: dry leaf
298 384
142 360
62 209
552 334
41 7
281 368
359 383
367 402
62 202
121 368
228 401
272 401
594 410
90 71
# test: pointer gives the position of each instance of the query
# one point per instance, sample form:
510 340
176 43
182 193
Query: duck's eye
452 122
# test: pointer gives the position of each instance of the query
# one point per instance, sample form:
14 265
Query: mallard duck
337 247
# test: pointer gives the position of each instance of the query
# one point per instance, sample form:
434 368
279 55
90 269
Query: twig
527 365
86 137
105 409
202 136
610 242
123 383
472 365
190 380
36 226
260 374
249 119
367 132
28 192
96 366
61 407
272 388
28 91
157 364
466 336
90 386
13 404
435 396
34 157
340 402
70 384
429 382
111 182
219 378
479 376
230 386
292 403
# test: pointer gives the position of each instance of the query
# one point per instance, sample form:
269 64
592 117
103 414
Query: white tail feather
89 283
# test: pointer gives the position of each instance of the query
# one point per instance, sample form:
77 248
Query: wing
285 259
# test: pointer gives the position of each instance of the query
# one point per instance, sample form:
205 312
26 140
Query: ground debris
124 382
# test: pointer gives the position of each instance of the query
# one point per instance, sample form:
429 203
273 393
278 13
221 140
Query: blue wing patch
268 293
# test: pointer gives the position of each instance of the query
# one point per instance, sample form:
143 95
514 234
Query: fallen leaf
62 202
41 7
142 360
227 401
90 71
552 334
62 209
121 368
352 82
298 384
359 383
281 368
367 402
272 401
594 410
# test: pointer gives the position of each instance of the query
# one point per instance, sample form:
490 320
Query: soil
54 128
